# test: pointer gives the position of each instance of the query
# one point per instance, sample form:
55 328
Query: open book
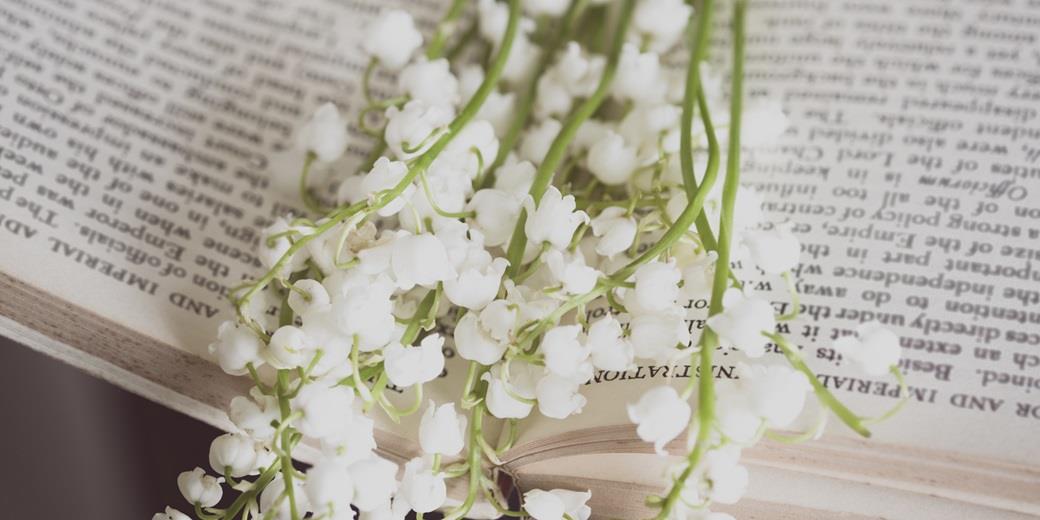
143 145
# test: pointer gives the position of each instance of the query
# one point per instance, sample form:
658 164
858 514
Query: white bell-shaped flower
233 454
392 38
554 220
306 295
698 276
609 349
273 504
774 251
199 488
420 260
477 283
375 481
775 392
639 76
406 366
515 176
570 270
326 410
442 430
660 23
423 489
615 230
577 71
538 139
564 353
329 487
385 175
554 99
558 396
474 343
727 479
252 418
412 130
325 135
429 81
170 514
658 336
557 504
742 322
657 287
352 444
473 148
497 211
764 122
275 242
736 418
236 347
511 395
367 314
289 347
660 415
875 348
613 160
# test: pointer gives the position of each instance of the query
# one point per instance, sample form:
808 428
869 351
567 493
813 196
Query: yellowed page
911 171
143 145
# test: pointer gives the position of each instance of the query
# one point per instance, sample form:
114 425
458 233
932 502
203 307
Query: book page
144 144
911 169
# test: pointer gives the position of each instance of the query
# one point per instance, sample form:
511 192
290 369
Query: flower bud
442 430
234 454
199 488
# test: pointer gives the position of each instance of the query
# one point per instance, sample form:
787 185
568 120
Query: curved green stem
526 101
822 393
445 28
305 193
709 340
558 149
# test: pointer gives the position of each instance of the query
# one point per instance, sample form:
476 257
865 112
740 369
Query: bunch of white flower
498 205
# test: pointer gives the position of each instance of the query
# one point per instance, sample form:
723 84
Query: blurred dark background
77 447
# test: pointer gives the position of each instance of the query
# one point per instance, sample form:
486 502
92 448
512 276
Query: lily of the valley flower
406 366
774 251
325 135
199 488
554 220
875 349
609 350
235 348
474 342
329 487
554 504
743 321
422 488
442 430
660 415
392 38
234 454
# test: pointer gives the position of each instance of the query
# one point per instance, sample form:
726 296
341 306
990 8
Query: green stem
286 440
445 29
473 458
822 393
558 149
709 340
526 101
305 193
